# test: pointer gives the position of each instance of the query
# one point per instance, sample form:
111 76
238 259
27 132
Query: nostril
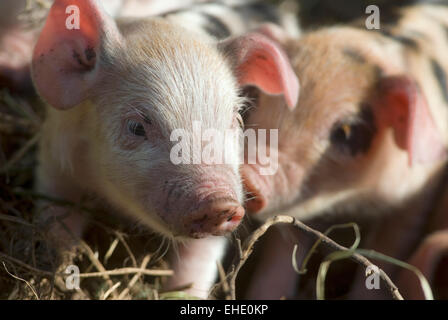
230 221
235 217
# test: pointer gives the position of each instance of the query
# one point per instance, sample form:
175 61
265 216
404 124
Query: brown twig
135 277
248 246
21 221
110 251
98 265
223 281
105 273
111 291
122 271
120 237
89 252
19 154
25 266
6 118
26 282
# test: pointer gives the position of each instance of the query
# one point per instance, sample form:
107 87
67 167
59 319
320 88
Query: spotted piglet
366 142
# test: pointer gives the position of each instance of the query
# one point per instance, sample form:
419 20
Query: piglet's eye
354 137
341 134
136 128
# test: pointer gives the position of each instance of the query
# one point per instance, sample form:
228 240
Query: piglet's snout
216 216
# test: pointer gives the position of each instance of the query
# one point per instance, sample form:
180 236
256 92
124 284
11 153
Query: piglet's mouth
216 217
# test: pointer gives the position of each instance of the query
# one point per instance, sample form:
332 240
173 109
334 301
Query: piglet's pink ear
404 107
261 62
66 58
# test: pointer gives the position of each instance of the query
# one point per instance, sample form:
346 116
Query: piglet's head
356 134
142 97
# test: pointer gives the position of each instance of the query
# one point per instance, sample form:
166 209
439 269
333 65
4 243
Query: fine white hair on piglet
117 90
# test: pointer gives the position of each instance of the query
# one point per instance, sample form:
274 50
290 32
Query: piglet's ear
403 106
65 63
261 62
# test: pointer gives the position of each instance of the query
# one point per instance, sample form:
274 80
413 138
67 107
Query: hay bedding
121 259
25 261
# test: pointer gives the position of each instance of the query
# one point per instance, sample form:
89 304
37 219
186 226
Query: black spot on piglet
89 61
90 53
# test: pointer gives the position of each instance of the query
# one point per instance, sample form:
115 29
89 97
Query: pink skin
209 201
15 56
324 167
108 131
190 259
215 209
265 65
414 136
